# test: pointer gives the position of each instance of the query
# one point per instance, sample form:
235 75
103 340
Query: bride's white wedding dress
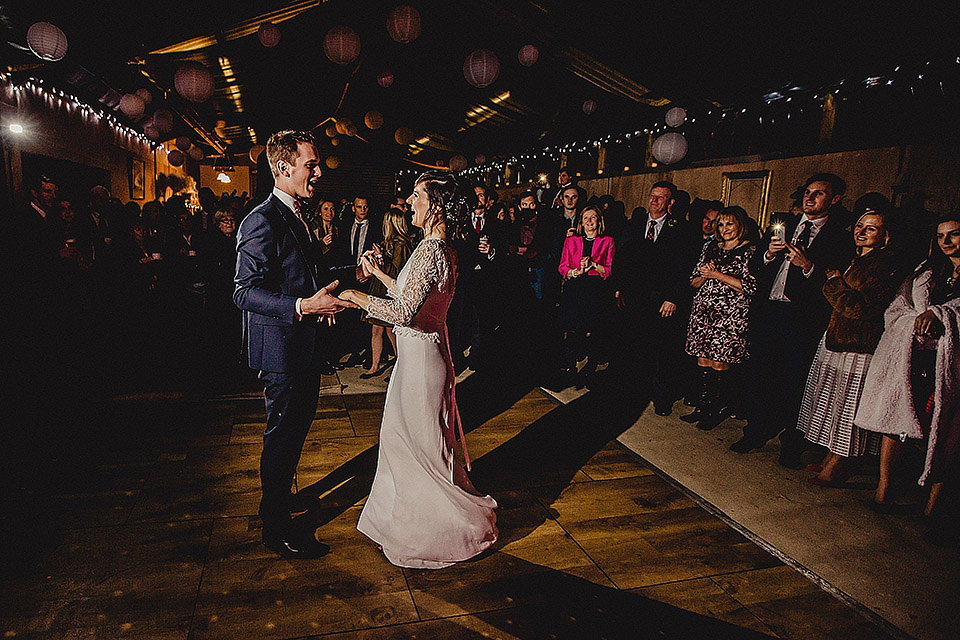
422 509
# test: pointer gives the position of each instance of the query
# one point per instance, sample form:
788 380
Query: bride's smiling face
420 205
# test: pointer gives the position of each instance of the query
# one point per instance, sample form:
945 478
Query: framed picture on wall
137 179
750 190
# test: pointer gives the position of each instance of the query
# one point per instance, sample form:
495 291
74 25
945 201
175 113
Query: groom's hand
322 303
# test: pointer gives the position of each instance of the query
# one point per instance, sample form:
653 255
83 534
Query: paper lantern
458 163
341 45
335 142
480 158
373 120
403 24
255 152
385 79
481 68
528 55
145 95
675 117
47 41
163 121
175 158
150 130
332 162
268 34
670 147
403 135
589 106
341 126
196 153
183 143
132 106
194 82
351 129
330 130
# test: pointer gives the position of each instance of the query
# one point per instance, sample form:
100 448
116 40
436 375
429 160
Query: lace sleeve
423 274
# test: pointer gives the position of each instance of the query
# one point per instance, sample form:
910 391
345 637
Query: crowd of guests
835 329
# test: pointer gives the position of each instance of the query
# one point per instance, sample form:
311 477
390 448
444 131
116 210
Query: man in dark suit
651 273
790 312
282 303
358 233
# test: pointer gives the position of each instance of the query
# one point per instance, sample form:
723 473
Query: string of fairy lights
56 97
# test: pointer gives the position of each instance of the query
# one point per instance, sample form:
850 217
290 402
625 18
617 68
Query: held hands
322 303
350 299
927 324
709 271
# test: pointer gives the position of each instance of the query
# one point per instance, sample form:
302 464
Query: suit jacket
602 253
276 264
374 235
832 248
647 274
468 252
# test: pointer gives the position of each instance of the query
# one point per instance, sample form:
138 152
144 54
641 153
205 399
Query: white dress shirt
780 282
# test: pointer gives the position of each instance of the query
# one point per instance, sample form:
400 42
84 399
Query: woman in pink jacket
586 300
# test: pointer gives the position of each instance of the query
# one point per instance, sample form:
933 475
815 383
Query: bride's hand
369 263
349 298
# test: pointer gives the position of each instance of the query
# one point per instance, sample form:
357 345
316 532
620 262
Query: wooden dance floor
156 535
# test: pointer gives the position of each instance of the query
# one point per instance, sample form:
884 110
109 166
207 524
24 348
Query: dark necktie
297 208
803 238
479 224
356 240
650 228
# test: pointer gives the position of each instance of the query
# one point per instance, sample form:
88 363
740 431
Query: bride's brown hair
448 201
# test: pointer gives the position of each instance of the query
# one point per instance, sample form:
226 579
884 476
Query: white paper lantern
194 82
385 79
403 24
341 45
196 153
528 55
670 147
175 158
458 163
255 152
403 135
481 68
268 34
145 95
150 130
163 121
675 117
332 162
132 106
480 159
373 120
589 106
183 143
47 41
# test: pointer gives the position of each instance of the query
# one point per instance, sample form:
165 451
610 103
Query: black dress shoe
746 445
296 547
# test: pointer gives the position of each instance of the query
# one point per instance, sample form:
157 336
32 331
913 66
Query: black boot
697 413
718 409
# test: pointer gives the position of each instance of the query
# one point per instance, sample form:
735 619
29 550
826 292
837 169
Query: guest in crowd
394 251
652 288
702 215
858 297
585 302
791 313
912 389
360 234
720 315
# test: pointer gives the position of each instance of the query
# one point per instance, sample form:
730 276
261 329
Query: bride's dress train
422 509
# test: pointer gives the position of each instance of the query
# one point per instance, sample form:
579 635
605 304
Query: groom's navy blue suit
276 264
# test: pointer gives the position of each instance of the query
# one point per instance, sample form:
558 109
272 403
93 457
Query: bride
423 511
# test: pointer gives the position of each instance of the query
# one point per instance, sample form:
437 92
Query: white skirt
422 509
830 401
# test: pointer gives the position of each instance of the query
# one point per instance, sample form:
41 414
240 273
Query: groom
283 303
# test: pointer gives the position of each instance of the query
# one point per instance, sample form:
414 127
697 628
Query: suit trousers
291 400
782 351
656 343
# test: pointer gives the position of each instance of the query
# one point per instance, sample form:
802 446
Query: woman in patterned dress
720 316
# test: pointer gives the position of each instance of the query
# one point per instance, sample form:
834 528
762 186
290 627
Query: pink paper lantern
47 41
385 79
342 45
458 163
332 162
675 117
163 121
480 159
403 135
481 68
589 106
268 34
183 143
150 130
175 158
403 24
145 95
373 120
528 55
670 147
194 82
196 153
132 106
